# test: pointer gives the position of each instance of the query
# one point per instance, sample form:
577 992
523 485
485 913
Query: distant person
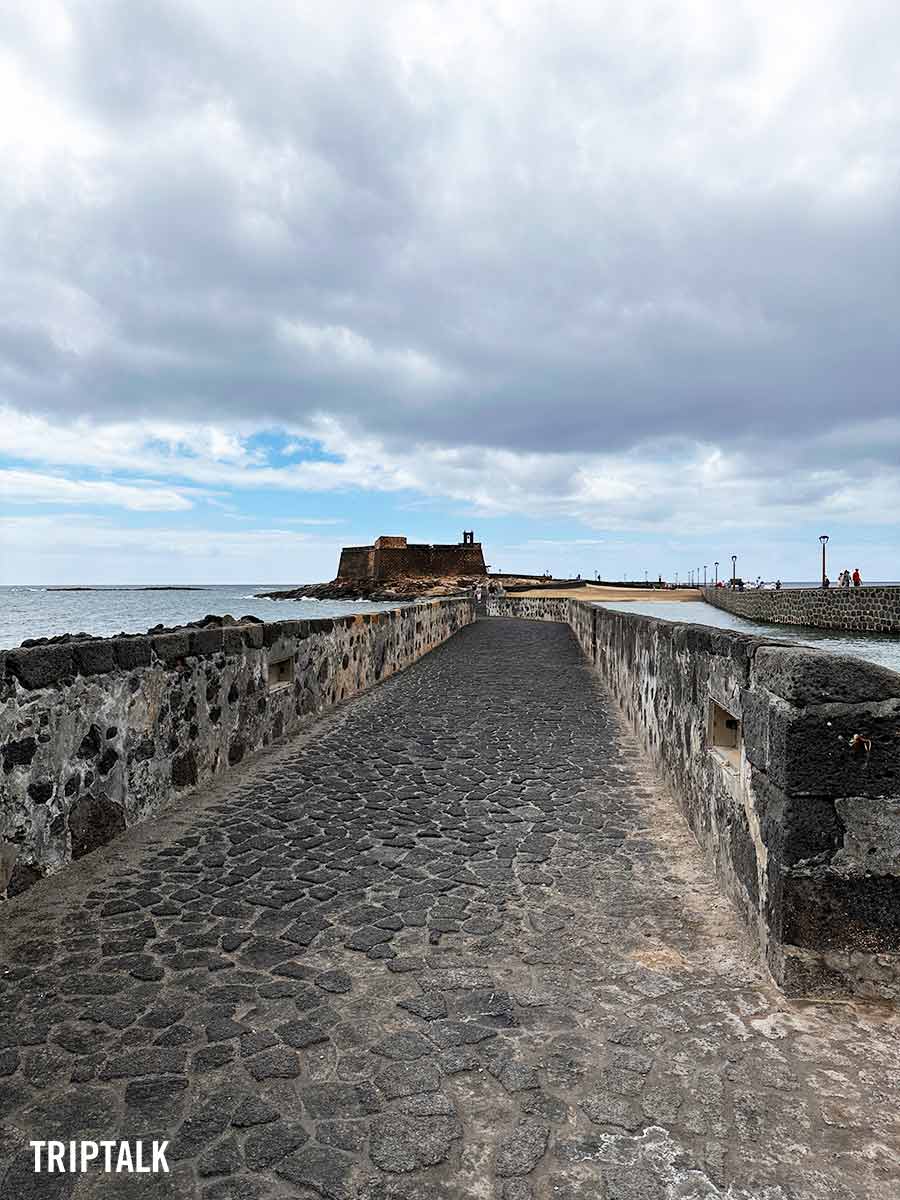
857 578
826 582
844 578
777 585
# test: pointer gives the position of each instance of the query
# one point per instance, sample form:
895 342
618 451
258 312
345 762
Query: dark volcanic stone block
822 910
755 726
205 641
323 625
743 856
253 635
808 753
95 658
232 642
23 877
41 666
184 770
93 821
795 827
170 647
805 677
132 652
18 753
274 631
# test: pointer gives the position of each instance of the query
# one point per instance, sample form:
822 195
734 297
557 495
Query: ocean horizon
102 610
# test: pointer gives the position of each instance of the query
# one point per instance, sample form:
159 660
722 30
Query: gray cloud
543 228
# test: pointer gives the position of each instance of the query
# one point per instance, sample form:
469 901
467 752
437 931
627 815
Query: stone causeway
453 940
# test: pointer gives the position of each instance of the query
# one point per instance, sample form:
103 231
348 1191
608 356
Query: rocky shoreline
375 589
411 587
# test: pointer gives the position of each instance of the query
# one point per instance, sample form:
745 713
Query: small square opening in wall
725 734
281 673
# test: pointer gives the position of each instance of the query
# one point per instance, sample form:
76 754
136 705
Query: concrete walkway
456 943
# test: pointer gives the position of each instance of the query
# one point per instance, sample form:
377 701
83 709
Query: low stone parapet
785 760
859 610
97 735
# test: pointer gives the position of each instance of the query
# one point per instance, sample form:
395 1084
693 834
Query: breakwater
863 610
97 735
786 763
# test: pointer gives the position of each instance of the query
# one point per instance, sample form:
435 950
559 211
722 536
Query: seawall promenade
786 764
863 610
453 940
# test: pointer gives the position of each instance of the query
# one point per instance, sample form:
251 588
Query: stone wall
801 823
864 609
357 562
97 735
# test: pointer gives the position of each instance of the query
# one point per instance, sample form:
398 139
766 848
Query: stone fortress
394 558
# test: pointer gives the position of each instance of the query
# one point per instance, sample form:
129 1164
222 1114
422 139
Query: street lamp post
704 574
823 538
733 569
716 565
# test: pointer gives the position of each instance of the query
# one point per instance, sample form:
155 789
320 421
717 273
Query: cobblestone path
455 943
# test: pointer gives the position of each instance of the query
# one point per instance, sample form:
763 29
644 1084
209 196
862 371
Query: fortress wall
98 735
801 821
429 560
866 609
357 562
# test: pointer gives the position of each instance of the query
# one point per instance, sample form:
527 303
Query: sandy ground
593 592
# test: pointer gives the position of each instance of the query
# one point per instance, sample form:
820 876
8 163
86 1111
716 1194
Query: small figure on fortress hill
857 578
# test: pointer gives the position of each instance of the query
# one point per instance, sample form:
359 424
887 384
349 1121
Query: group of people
845 579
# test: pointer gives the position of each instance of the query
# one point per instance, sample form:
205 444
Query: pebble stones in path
455 944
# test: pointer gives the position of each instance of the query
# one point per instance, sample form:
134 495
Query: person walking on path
857 578
844 578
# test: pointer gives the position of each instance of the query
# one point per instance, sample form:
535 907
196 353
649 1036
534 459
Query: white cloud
31 487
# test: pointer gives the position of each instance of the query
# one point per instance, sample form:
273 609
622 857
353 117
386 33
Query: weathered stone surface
328 1172
522 1149
272 1143
398 1144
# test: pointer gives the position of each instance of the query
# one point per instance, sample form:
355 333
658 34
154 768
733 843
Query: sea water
33 612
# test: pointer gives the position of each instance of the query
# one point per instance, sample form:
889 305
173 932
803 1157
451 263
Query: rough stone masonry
863 610
98 734
455 941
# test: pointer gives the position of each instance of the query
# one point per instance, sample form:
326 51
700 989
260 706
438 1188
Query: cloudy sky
617 285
